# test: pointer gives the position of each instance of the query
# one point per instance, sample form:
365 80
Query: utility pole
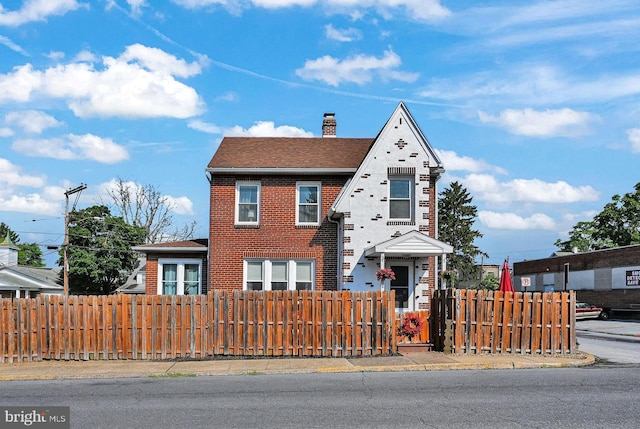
65 247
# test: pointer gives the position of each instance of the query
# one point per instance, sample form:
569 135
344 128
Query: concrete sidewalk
628 330
414 361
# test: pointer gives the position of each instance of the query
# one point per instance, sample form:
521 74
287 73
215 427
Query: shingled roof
290 152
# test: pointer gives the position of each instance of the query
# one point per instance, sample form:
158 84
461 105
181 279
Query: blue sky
533 106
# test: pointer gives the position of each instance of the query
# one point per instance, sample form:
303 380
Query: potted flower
450 276
385 273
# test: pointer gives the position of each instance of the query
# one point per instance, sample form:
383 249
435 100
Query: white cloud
513 221
19 84
13 46
348 35
55 55
454 162
139 84
180 205
634 138
528 122
32 121
194 4
359 69
85 57
156 60
229 96
267 129
6 132
136 6
205 127
259 129
29 203
535 85
37 10
423 10
10 175
87 146
487 188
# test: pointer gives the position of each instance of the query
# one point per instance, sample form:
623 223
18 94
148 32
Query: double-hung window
266 274
308 203
179 276
247 203
401 198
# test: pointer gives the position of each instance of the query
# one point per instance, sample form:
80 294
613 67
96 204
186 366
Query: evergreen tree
30 254
456 216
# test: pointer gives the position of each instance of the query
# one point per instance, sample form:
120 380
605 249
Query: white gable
414 244
400 132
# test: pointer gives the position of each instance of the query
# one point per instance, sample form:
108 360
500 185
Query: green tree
29 254
99 252
489 282
618 224
456 216
4 229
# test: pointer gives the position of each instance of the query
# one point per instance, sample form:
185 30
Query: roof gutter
279 170
169 249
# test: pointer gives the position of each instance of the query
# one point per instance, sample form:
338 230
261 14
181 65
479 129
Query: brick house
326 213
175 268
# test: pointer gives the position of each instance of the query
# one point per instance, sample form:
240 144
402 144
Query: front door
403 285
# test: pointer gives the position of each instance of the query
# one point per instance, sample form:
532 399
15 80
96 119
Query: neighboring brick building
608 278
325 213
175 268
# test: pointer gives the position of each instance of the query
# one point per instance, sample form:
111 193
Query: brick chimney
329 125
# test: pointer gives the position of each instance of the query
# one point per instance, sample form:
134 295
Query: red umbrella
506 285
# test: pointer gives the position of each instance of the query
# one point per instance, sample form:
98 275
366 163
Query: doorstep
414 347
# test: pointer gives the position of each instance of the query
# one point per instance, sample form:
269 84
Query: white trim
258 185
267 272
318 186
412 197
180 263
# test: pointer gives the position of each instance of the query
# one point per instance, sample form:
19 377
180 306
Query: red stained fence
218 324
470 321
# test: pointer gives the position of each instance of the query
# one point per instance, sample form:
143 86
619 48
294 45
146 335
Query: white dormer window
308 203
401 198
247 203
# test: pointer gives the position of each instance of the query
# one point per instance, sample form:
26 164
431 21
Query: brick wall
618 257
277 236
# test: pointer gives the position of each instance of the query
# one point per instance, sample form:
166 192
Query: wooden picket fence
470 321
424 337
234 323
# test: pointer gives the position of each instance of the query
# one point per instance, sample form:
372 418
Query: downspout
338 251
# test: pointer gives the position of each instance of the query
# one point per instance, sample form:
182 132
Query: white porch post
383 282
444 268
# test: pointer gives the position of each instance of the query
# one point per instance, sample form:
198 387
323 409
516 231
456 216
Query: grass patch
172 375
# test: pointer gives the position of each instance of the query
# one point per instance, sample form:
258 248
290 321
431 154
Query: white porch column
383 282
444 268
